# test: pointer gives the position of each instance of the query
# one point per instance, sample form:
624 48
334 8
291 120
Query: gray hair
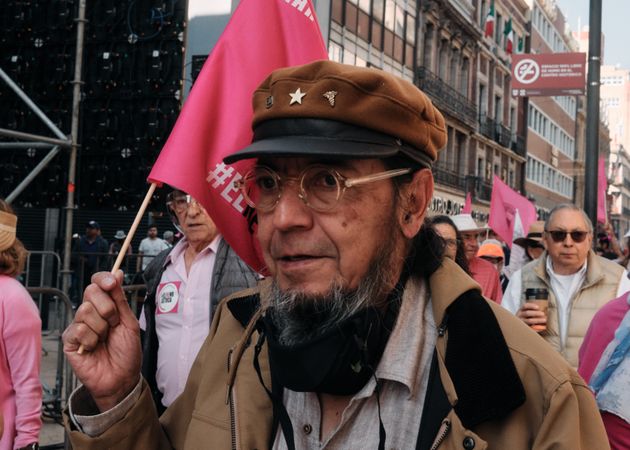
570 207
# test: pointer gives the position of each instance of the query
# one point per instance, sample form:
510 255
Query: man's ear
414 202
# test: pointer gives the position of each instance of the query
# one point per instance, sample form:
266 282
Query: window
463 85
551 131
378 8
410 29
334 51
483 100
390 13
498 109
364 5
363 27
548 177
443 59
545 29
337 11
351 17
427 50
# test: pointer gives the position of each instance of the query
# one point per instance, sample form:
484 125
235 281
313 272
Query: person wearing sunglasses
363 336
578 281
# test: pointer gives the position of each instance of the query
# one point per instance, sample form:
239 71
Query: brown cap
534 235
328 108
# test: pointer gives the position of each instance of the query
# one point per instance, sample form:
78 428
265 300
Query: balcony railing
445 97
502 135
518 145
448 177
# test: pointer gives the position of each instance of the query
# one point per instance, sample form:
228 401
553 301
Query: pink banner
505 203
216 118
467 209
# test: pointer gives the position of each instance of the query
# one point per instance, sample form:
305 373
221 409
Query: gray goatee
300 317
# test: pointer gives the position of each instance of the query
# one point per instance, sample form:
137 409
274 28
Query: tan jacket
600 286
224 406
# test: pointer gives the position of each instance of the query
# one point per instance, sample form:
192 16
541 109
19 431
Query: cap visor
312 146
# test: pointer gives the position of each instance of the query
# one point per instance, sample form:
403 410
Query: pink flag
602 187
505 203
216 118
467 209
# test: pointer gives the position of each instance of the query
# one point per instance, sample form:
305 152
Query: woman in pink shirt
20 345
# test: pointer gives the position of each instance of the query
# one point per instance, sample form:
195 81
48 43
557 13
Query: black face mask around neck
341 360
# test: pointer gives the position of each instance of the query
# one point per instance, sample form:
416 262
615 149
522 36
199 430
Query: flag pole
132 231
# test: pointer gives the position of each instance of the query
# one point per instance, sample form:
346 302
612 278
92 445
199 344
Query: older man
362 337
482 271
578 281
184 286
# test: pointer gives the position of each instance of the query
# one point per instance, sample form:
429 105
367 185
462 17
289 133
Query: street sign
548 74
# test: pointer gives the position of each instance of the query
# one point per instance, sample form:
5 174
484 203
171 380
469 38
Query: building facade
553 163
615 106
440 46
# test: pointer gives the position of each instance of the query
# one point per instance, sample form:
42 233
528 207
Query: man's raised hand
108 330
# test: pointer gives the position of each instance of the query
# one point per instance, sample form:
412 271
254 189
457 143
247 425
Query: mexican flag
490 21
509 37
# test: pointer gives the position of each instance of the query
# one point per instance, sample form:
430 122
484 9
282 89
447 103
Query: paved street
52 432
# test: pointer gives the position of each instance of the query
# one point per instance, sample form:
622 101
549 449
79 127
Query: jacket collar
447 283
478 373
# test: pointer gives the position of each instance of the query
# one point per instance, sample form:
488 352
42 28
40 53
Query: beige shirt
404 374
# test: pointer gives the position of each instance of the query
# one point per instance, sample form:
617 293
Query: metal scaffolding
61 141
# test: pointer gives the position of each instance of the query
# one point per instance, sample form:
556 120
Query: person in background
150 246
578 282
625 261
169 238
507 252
91 251
114 249
482 271
533 242
20 344
184 286
492 251
453 243
363 336
604 363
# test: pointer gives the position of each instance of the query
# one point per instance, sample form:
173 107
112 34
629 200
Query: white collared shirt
182 316
564 288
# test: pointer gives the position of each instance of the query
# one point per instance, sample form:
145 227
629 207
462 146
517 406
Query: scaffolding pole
32 105
26 145
34 137
31 176
74 137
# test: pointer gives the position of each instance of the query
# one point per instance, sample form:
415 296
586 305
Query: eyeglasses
179 202
560 235
451 242
321 187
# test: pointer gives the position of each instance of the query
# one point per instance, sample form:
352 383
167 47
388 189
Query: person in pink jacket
20 345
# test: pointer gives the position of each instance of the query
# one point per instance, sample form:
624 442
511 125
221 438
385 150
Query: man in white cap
482 271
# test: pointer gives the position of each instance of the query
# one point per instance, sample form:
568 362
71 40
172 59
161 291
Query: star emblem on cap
330 96
296 97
